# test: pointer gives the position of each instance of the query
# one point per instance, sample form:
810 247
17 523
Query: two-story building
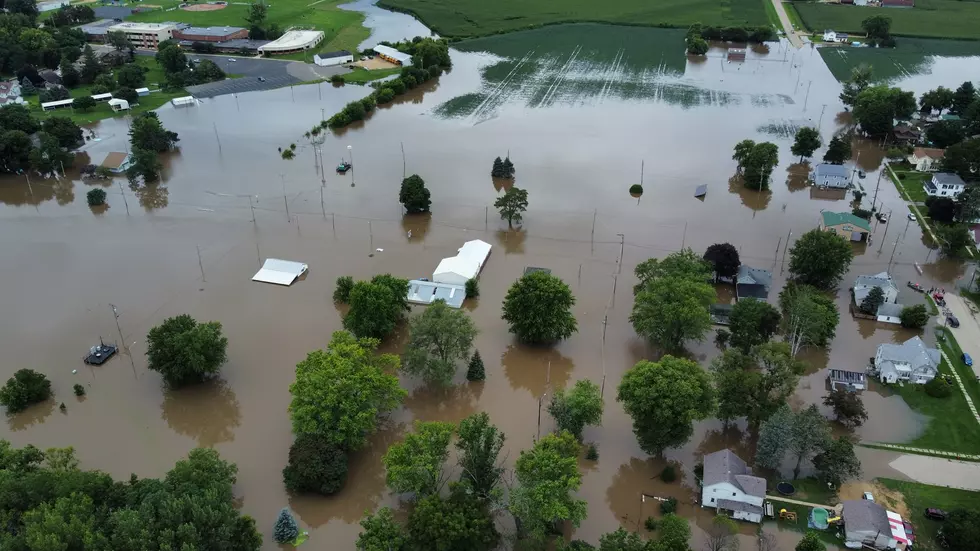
944 184
912 361
730 487
830 176
926 159
10 93
846 225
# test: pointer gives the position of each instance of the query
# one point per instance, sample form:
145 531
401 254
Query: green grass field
342 29
912 182
965 372
361 76
911 56
929 18
469 18
918 497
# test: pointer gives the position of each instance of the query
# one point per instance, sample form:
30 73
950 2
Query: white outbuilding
118 104
466 265
392 55
280 272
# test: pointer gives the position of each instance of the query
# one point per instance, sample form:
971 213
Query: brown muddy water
65 267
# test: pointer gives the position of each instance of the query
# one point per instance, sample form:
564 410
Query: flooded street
577 150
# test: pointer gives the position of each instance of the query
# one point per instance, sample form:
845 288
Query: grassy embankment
470 18
918 497
154 81
342 29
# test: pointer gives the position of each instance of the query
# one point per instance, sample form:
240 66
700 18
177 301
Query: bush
84 103
862 213
337 79
669 506
369 103
315 466
342 293
472 288
939 388
592 452
669 474
914 317
650 524
385 95
397 86
127 94
636 189
25 388
79 390
722 337
95 197
414 196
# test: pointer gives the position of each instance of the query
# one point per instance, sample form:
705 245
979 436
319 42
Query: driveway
968 333
273 72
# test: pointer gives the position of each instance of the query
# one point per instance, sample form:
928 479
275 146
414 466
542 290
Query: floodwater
189 245
386 25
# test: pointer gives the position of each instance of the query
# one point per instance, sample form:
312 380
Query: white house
832 176
926 159
466 265
833 36
10 93
730 487
865 283
910 361
944 184
868 524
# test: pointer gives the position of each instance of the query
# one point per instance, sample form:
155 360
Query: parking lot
273 72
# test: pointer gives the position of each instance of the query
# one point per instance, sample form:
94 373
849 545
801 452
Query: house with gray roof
865 283
912 361
752 283
944 184
832 176
730 487
866 524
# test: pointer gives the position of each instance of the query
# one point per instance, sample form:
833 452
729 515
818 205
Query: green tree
939 99
344 286
752 322
316 465
512 205
475 370
811 542
578 408
27 88
48 156
439 338
171 57
95 197
943 134
621 540
25 388
377 306
962 529
914 317
962 98
340 392
820 258
836 463
68 523
861 77
538 308
185 351
697 46
683 264
877 107
874 299
953 238
673 534
208 71
807 141
664 399
15 149
461 522
809 431
68 134
509 169
84 103
146 132
18 117
755 385
90 65
942 209
118 40
838 151
809 317
742 151
724 258
547 477
143 164
414 465
69 75
472 288
414 196
847 406
478 445
962 158
106 81
286 530
131 75
127 94
775 436
670 310
381 532
877 26
257 12
758 166
498 169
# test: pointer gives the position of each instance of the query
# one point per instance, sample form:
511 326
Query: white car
911 217
868 496
231 60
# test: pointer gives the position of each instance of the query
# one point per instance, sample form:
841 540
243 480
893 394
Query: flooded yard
577 121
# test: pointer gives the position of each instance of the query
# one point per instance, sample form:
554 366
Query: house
116 162
850 381
846 225
427 292
907 134
730 487
910 361
944 184
863 285
833 36
51 78
868 524
752 283
831 176
466 265
926 159
890 313
10 93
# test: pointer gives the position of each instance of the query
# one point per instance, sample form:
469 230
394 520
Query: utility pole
322 208
404 164
684 236
821 116
371 232
595 213
282 177
605 321
622 240
807 99
880 172
201 264
776 254
783 262
893 255
216 135
124 197
886 232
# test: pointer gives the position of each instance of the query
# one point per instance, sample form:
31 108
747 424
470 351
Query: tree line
44 147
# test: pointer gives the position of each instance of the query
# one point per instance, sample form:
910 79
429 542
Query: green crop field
929 18
342 29
468 18
911 56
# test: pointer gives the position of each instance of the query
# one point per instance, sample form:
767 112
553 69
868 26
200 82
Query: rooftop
294 40
142 27
725 466
913 352
97 27
865 515
948 178
931 152
838 218
831 171
211 31
339 53
115 159
392 53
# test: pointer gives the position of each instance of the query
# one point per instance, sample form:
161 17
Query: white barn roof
466 265
388 51
280 272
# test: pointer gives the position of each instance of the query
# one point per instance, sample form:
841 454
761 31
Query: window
733 494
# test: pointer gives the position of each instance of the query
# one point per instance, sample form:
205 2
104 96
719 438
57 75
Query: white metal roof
293 40
99 97
465 265
280 272
68 101
402 58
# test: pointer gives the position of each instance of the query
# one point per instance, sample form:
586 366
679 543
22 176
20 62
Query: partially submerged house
466 265
730 487
890 312
912 361
843 379
905 133
865 283
944 184
830 176
427 292
846 225
752 283
868 524
117 162
926 159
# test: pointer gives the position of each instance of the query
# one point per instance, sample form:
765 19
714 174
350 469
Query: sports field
929 18
467 18
342 29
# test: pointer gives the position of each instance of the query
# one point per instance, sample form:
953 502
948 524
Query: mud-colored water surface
66 267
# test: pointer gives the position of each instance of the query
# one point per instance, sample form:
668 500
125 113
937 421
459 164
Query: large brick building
210 34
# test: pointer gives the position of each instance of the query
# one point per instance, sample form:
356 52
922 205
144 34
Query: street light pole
350 151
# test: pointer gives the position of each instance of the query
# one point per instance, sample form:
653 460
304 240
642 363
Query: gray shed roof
212 31
913 352
738 506
112 12
948 178
892 309
863 515
725 466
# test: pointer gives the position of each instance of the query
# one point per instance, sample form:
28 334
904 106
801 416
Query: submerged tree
475 370
479 444
512 205
286 530
25 388
414 465
185 351
838 151
848 407
807 141
724 258
547 477
538 308
775 436
414 196
820 258
440 337
579 407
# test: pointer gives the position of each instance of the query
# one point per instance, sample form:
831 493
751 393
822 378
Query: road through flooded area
191 243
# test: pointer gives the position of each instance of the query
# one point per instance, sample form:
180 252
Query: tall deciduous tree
877 107
414 196
440 338
939 99
185 351
377 306
684 264
962 158
811 542
809 317
914 317
479 444
810 431
836 462
460 522
724 258
721 535
807 141
848 407
25 388
838 151
316 464
775 436
579 407
754 386
877 26
669 311
664 399
860 79
414 465
512 205
820 258
340 392
68 134
118 40
381 532
752 322
538 308
146 132
759 164
547 476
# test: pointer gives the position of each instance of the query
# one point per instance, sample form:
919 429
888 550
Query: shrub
79 390
472 288
25 388
385 95
95 197
410 82
397 86
669 506
369 103
592 452
721 337
669 474
939 388
337 79
315 465
127 94
342 293
636 189
650 524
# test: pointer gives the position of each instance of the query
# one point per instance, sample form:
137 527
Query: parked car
967 359
882 217
232 60
909 532
911 217
952 321
868 496
936 514
261 79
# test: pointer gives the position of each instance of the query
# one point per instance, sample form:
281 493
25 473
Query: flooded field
577 149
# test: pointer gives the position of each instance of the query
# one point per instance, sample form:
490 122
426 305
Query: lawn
911 56
361 76
156 99
469 18
965 372
918 497
342 29
912 182
929 18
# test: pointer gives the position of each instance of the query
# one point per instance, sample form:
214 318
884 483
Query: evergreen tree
286 530
476 371
90 66
27 87
498 168
508 168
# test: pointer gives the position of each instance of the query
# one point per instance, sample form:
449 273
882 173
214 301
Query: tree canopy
664 399
848 407
820 258
752 322
809 317
871 302
838 151
478 446
684 263
547 477
724 258
876 108
414 196
414 465
806 142
147 133
315 465
914 317
755 385
962 158
185 351
376 306
538 308
836 462
775 436
440 338
756 162
670 310
512 205
579 407
25 388
809 433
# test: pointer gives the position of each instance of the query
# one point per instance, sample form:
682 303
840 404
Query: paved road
939 472
968 333
794 38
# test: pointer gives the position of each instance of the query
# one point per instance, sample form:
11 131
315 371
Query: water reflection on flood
575 153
